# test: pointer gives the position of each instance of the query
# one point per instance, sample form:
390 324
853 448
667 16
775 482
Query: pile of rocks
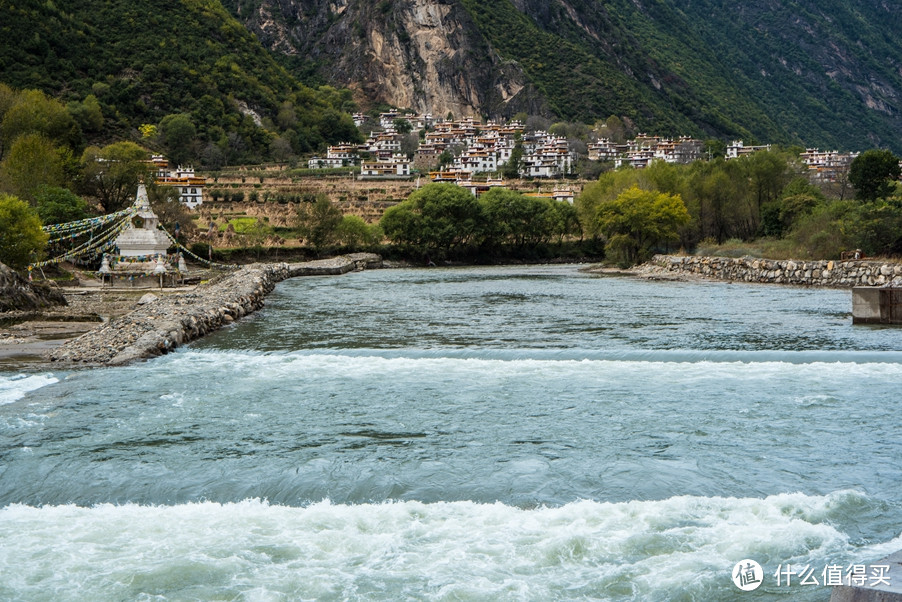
163 324
159 325
837 274
17 294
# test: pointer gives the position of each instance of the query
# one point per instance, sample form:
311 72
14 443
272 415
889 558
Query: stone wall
159 325
837 274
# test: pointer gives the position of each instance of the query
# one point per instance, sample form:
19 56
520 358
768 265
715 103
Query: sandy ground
26 337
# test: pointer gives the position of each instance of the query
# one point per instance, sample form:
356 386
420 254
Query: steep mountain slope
144 60
804 71
428 55
827 70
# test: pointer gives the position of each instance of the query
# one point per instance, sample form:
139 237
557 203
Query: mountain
430 56
147 59
816 72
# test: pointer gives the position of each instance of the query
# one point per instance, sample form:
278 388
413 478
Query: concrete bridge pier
876 305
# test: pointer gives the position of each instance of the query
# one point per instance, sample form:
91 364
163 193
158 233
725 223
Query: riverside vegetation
764 197
47 172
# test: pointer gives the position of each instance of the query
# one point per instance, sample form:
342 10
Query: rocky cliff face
815 72
423 54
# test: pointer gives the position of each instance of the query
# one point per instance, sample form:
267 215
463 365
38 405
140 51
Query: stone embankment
159 325
836 274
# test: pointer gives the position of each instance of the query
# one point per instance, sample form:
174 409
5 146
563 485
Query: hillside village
458 150
471 154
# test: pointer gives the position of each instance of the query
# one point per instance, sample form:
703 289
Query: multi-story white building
604 150
340 155
637 158
548 157
190 187
387 119
383 144
397 167
827 166
738 149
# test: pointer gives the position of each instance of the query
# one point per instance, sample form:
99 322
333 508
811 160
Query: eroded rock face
427 55
16 293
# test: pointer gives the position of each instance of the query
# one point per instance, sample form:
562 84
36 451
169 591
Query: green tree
799 198
824 233
287 117
21 239
768 174
876 227
353 232
7 100
317 222
32 163
438 217
178 133
256 233
169 208
402 126
715 149
60 205
111 174
637 220
609 185
34 113
511 169
338 127
873 173
280 150
563 221
511 217
87 113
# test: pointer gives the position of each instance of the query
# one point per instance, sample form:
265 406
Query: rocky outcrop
426 55
837 274
160 325
17 294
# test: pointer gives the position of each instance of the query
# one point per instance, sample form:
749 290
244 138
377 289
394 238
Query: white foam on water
305 365
244 361
678 547
15 387
680 356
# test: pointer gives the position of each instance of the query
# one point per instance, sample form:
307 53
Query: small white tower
142 237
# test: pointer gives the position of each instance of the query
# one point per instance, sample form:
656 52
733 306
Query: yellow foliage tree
637 220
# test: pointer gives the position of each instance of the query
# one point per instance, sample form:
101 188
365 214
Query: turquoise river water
512 433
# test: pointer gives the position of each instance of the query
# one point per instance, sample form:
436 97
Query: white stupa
142 237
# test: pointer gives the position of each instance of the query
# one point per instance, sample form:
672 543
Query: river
502 433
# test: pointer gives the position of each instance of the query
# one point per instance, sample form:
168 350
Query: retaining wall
836 274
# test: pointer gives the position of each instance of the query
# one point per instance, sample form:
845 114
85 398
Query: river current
504 433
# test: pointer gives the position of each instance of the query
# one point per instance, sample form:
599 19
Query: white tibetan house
143 237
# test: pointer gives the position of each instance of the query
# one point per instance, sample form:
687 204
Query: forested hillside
141 61
828 71
814 72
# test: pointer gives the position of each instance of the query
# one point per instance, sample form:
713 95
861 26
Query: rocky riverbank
835 274
159 325
17 294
